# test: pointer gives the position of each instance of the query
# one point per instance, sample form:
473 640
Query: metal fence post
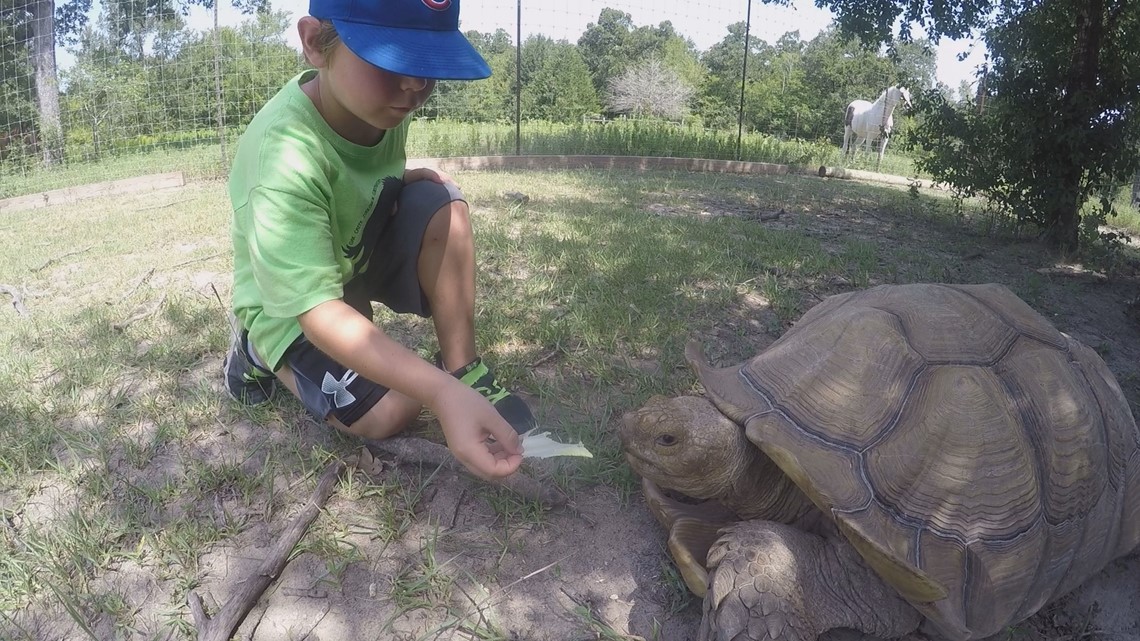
518 77
218 94
743 80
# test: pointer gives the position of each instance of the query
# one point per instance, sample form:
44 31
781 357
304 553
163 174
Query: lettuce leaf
537 444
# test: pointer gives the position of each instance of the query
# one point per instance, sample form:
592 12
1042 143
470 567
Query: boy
327 218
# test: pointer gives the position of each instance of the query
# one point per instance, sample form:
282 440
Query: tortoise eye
667 440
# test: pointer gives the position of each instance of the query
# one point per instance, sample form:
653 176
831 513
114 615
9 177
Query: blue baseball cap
417 38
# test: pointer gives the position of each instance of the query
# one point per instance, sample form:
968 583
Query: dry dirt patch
597 568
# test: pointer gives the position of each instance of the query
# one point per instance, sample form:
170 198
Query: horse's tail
850 115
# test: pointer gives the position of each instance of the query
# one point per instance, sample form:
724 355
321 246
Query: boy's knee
388 417
452 223
370 427
373 424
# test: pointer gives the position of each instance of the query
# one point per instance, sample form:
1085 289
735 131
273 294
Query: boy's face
357 99
376 97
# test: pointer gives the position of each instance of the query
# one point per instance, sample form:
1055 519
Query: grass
119 454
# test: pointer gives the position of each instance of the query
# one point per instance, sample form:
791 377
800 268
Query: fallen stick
194 260
765 216
222 625
137 285
412 449
59 258
17 301
164 205
120 326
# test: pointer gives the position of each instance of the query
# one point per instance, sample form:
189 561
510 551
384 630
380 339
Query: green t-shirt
301 196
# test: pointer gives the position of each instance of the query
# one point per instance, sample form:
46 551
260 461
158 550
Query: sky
704 21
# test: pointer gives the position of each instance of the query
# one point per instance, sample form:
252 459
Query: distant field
201 156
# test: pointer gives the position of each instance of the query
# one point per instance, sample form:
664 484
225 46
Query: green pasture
199 155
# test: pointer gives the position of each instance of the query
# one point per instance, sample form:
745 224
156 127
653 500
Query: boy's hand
427 173
468 422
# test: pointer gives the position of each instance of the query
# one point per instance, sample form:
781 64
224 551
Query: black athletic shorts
329 389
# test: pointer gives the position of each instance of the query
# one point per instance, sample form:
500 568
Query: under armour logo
339 388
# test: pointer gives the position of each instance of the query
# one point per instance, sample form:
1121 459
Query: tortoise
905 457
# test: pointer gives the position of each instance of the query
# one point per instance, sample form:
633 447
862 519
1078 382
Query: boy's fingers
490 467
506 437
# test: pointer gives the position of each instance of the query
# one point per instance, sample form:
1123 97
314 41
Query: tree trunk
47 84
1064 234
1078 109
1136 189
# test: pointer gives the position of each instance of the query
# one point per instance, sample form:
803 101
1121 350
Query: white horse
868 122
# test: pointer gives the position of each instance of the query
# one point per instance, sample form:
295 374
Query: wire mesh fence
109 89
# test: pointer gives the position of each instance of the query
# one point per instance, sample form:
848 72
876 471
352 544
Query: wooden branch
222 625
764 216
412 449
195 260
59 258
137 316
1074 272
549 355
17 300
164 205
137 285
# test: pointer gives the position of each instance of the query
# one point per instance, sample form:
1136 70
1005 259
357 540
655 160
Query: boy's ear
309 29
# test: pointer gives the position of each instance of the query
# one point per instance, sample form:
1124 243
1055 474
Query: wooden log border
155 182
70 195
646 163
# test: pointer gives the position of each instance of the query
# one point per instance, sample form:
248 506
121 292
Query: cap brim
419 53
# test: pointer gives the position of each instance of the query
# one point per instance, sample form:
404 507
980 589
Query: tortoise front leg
773 581
692 531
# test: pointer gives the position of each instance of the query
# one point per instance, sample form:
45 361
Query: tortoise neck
764 492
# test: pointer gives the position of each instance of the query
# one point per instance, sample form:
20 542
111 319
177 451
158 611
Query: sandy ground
598 568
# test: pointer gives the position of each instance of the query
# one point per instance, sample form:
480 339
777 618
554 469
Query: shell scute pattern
979 462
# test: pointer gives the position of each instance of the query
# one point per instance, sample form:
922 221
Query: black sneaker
512 408
246 381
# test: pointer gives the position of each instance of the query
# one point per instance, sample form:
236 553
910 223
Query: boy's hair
328 38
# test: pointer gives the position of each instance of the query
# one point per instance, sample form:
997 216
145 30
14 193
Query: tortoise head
686 444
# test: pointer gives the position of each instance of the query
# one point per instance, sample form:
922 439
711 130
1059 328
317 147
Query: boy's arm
466 417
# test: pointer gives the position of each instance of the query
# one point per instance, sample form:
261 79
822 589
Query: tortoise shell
980 461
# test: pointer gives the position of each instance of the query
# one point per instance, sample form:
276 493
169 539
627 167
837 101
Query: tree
613 45
487 100
1060 126
681 56
775 100
916 64
106 97
838 70
128 22
650 89
40 23
556 82
720 93
604 46
31 25
257 63
17 104
965 91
